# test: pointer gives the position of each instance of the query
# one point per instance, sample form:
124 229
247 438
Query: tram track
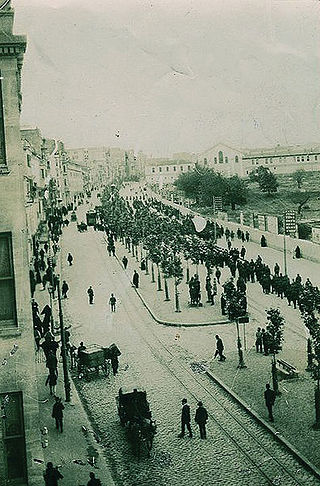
248 437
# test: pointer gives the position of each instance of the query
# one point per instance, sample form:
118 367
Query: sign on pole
217 203
290 223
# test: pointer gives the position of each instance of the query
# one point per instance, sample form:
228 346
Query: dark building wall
19 374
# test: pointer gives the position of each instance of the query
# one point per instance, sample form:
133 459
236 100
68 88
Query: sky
172 75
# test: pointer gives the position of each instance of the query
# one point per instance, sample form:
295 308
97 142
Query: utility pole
214 221
285 253
63 347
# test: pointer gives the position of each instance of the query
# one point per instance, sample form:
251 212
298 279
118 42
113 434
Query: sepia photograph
159 242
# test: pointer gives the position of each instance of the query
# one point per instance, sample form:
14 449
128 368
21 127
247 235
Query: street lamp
63 347
243 320
50 290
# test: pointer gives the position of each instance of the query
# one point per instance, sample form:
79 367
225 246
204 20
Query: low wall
309 249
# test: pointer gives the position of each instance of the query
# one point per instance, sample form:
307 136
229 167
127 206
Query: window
315 157
308 158
160 169
215 160
28 160
236 159
153 169
181 168
252 162
7 288
189 167
302 159
205 161
220 156
167 169
226 160
298 159
3 159
13 438
174 168
48 164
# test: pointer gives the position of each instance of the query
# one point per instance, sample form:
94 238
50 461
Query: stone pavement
74 448
146 363
295 405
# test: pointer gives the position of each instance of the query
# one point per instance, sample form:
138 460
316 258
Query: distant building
164 171
280 159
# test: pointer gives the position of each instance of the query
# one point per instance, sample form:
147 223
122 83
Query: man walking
269 397
93 480
112 302
65 289
201 419
70 259
125 262
135 279
51 475
90 293
259 340
57 413
219 350
185 418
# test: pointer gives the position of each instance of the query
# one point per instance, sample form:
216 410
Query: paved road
237 451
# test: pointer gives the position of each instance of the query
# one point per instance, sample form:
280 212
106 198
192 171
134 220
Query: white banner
199 223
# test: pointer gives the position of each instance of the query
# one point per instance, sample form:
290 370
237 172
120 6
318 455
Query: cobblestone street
157 359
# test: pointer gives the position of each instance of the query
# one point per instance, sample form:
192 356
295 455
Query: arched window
226 160
220 155
236 159
215 160
205 161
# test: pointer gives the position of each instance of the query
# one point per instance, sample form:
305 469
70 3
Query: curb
300 457
178 324
169 323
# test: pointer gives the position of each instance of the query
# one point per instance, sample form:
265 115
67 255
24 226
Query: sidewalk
163 311
74 449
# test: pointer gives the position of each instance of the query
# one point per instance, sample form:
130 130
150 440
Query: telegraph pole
63 347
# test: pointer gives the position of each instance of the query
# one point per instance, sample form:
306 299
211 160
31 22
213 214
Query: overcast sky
172 75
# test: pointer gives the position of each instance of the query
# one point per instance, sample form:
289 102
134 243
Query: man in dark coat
135 279
93 480
57 413
201 419
65 288
218 274
185 418
269 397
90 293
52 475
220 348
70 259
46 312
125 262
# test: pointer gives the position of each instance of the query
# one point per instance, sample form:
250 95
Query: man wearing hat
185 418
201 419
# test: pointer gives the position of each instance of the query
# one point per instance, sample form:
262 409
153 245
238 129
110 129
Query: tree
298 176
266 179
275 332
235 191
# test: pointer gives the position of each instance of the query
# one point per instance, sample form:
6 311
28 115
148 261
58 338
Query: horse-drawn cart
94 359
134 412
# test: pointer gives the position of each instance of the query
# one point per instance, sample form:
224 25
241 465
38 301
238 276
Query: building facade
163 171
280 160
19 422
